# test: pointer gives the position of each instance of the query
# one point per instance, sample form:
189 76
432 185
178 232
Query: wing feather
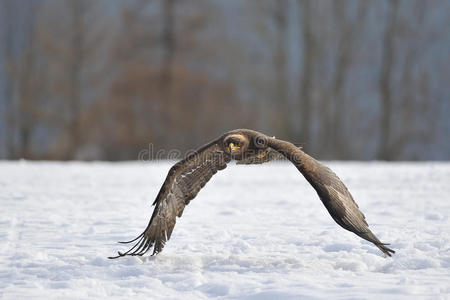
183 182
332 191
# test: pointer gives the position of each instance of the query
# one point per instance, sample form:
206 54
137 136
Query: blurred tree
168 44
385 81
21 76
281 70
76 63
26 121
406 116
415 123
72 40
347 29
155 96
7 25
310 58
103 79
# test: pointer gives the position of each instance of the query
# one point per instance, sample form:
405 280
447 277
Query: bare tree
72 38
115 77
26 122
348 30
168 45
168 42
308 60
75 67
6 21
413 104
385 80
20 54
280 14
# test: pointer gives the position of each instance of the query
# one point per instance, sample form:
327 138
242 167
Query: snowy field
254 232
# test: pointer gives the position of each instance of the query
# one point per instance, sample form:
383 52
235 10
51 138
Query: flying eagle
187 177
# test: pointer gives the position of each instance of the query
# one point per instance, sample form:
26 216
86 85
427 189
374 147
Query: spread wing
333 193
184 180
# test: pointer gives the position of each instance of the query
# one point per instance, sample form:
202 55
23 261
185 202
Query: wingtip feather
385 250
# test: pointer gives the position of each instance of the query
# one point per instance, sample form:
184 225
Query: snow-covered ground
254 232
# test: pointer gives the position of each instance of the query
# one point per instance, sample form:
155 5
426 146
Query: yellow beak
233 147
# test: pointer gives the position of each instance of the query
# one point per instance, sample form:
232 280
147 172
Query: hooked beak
233 147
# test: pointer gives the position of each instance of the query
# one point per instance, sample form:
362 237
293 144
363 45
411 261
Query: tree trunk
384 84
75 68
307 72
9 112
282 108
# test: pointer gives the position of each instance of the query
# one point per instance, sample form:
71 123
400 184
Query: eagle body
187 177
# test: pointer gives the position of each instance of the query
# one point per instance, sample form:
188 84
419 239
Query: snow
254 232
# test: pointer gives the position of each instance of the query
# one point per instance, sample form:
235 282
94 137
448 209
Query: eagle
188 176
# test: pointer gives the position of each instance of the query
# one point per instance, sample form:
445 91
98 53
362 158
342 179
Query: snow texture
254 232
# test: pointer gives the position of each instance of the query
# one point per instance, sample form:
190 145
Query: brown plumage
188 176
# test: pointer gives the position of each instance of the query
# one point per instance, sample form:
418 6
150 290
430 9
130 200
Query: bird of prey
186 178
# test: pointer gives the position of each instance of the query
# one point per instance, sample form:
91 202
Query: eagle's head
244 143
